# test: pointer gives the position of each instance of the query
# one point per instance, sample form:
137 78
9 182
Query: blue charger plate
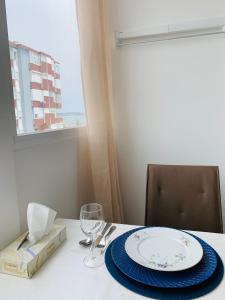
165 293
190 277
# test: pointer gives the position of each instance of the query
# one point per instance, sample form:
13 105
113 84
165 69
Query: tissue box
27 260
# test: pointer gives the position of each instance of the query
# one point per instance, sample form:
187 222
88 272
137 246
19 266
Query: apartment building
37 92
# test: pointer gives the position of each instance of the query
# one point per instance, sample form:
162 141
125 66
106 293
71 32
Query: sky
51 26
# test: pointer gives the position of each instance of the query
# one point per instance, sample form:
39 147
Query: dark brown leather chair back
184 197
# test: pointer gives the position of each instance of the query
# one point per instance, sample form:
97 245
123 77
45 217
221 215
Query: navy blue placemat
190 277
165 293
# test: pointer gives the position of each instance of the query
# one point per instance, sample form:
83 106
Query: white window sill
31 140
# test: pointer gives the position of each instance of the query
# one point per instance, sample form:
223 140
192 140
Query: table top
64 275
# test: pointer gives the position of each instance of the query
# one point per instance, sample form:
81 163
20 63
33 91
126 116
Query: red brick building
37 92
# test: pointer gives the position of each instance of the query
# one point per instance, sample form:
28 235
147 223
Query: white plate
163 249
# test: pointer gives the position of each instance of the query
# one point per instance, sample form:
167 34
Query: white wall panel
169 96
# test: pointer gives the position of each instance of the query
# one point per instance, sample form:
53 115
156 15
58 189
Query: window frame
22 142
34 138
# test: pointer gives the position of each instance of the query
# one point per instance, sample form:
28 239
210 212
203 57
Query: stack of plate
164 263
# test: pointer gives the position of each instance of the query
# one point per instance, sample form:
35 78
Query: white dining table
65 277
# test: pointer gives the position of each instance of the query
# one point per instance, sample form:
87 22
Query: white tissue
40 219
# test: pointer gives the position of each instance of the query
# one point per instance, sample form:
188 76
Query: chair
184 197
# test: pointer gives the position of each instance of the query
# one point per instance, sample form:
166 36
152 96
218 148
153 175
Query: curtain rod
188 29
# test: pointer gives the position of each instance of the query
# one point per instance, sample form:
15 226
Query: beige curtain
95 44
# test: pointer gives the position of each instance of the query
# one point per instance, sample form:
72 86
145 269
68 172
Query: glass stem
92 247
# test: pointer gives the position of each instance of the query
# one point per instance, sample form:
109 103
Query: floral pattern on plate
164 249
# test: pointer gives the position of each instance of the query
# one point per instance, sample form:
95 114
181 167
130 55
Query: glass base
94 261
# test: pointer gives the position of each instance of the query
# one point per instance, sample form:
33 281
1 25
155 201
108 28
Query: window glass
34 57
38 113
45 65
37 95
36 77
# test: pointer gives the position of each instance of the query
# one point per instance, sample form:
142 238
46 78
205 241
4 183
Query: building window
34 57
45 71
36 77
38 113
37 95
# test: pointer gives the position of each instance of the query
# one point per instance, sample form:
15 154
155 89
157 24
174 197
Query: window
45 65
56 67
38 113
57 83
37 95
34 57
36 77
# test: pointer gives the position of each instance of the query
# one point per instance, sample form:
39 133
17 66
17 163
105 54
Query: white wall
9 217
169 96
42 168
46 172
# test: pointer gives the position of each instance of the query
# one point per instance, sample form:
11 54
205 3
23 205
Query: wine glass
91 222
